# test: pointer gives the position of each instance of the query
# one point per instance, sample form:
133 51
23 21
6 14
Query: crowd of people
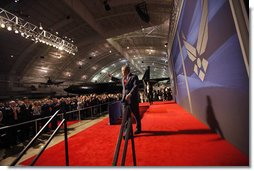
23 110
18 111
156 94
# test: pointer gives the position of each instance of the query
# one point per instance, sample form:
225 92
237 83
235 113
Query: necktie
125 81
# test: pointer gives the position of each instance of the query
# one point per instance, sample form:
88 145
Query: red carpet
69 123
171 137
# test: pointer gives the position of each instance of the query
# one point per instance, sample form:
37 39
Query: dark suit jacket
132 88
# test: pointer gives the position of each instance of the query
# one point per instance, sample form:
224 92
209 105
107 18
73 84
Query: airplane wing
58 82
114 79
50 82
158 79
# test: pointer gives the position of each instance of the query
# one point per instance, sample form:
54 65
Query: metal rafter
35 33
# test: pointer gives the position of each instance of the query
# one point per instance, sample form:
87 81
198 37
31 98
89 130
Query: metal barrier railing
64 121
61 114
47 143
51 137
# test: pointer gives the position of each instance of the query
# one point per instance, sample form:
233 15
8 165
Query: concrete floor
72 130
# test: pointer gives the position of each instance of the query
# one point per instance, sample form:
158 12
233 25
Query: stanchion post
79 118
36 124
65 136
100 110
133 147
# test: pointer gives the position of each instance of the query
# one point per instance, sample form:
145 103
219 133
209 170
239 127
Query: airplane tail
114 79
146 75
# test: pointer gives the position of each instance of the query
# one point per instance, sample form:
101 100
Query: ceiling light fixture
33 32
16 30
41 28
2 25
68 74
84 77
106 5
9 28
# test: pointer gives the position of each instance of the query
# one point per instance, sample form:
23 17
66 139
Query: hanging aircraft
111 87
51 82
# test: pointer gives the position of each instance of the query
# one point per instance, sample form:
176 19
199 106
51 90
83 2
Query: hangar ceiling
106 39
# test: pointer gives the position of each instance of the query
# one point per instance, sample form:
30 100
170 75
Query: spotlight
41 28
60 48
33 32
8 26
2 25
106 5
15 29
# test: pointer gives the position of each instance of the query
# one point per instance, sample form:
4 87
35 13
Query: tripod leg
116 154
133 147
126 141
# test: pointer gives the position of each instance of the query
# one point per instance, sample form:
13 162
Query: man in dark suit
26 115
131 94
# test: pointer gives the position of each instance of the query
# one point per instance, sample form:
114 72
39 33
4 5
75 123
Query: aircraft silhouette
111 87
51 82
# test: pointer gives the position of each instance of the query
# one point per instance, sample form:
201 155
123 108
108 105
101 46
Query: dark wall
211 76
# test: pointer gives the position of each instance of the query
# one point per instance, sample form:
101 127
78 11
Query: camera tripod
126 133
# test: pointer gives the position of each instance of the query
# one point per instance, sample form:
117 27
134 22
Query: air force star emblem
195 53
